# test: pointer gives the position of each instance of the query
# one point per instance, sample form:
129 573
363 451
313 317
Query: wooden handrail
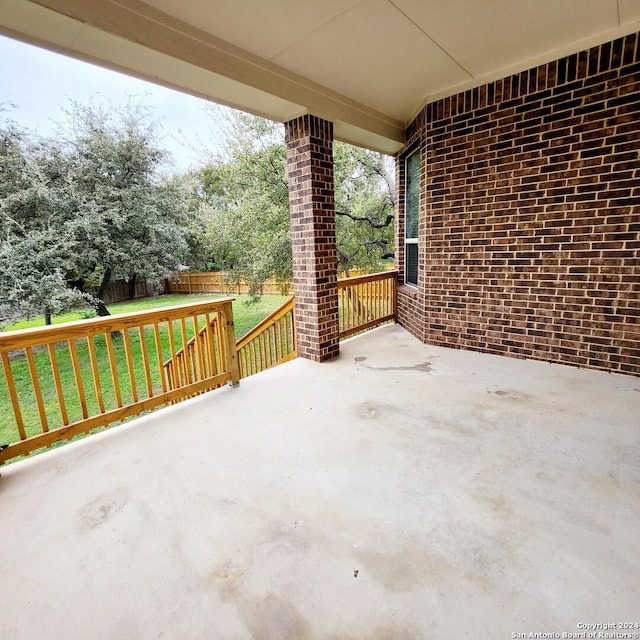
367 277
21 338
272 318
115 372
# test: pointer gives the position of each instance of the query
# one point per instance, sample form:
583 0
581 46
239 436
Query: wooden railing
69 379
269 343
190 364
366 302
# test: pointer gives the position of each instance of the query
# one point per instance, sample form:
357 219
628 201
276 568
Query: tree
245 207
34 251
364 201
127 220
86 208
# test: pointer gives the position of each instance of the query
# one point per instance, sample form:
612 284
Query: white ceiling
367 65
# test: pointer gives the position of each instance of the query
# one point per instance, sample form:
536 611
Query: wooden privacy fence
366 301
189 282
268 344
69 379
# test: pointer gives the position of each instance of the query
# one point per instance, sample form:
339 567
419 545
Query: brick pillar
309 143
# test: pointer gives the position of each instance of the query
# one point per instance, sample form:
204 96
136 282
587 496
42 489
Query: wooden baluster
35 381
145 361
278 340
291 331
13 395
268 351
241 358
77 374
263 353
345 307
58 385
185 352
130 367
252 354
375 299
113 368
160 357
273 331
356 307
210 345
198 366
177 382
94 372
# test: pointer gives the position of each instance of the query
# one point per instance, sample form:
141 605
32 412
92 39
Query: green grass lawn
245 317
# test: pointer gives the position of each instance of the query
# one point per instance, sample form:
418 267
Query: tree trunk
132 286
47 316
344 260
100 306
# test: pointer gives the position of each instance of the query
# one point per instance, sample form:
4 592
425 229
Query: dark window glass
412 195
411 274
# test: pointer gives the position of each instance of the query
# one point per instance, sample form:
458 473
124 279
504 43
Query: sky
40 84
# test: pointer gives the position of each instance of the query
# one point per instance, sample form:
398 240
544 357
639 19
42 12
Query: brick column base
309 143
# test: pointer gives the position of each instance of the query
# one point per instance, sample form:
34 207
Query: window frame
415 151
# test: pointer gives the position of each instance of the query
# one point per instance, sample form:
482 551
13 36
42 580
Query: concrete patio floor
402 491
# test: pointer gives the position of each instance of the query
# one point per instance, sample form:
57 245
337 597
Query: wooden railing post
230 351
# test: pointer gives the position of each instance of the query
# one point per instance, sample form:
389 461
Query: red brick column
309 143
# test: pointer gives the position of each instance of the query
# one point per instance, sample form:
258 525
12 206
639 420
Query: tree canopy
87 207
245 209
97 203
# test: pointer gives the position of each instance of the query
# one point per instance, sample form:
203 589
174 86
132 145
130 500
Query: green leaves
89 206
244 205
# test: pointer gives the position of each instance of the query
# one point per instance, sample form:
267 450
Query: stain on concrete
384 632
227 571
103 508
404 569
494 499
423 366
271 617
602 484
487 558
545 477
369 410
510 394
359 359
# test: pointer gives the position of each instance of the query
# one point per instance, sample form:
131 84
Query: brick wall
530 214
309 142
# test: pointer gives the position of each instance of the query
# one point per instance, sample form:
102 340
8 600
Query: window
411 202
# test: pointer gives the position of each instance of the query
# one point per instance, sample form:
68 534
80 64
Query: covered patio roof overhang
368 66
